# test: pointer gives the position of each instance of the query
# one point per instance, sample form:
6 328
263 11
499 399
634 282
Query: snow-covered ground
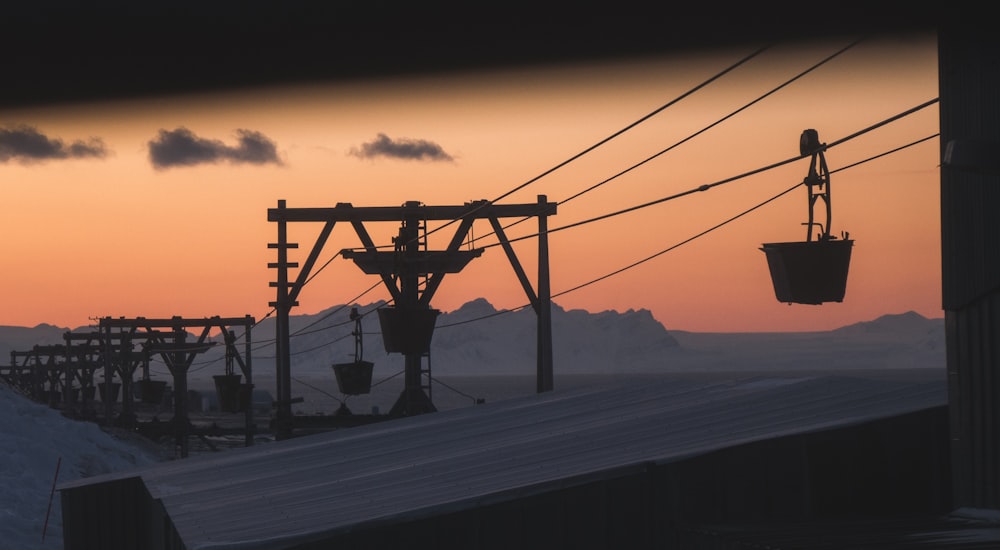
36 444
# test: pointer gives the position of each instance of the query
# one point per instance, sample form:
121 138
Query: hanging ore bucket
109 394
354 378
811 271
407 331
228 390
88 392
151 391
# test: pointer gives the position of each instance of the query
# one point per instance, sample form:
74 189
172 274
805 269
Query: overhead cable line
670 103
736 217
463 394
271 341
692 238
696 134
314 388
481 317
702 187
322 345
321 268
301 332
708 186
696 236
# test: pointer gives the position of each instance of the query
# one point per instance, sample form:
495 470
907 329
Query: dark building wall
969 81
881 469
113 515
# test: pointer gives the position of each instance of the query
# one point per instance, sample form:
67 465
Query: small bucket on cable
355 378
109 391
151 391
230 392
407 330
811 271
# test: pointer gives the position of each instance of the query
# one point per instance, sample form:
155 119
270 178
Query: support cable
573 158
310 386
708 186
301 332
694 237
696 134
456 390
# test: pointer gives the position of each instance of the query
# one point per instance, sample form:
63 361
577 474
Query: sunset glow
115 235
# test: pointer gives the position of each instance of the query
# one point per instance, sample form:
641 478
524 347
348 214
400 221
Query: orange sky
114 236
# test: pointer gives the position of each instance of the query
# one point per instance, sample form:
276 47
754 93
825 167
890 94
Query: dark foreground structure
673 464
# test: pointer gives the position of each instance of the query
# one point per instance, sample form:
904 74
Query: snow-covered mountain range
477 339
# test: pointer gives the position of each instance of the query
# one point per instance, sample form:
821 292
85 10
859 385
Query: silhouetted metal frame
119 358
287 290
178 354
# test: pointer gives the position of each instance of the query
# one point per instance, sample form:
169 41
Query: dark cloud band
410 149
181 147
27 144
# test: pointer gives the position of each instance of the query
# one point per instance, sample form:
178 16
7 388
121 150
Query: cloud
181 147
409 149
27 144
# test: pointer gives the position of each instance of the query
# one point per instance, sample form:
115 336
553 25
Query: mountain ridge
477 338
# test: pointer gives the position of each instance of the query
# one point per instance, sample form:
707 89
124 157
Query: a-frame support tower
401 270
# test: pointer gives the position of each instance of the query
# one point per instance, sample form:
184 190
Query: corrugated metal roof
324 483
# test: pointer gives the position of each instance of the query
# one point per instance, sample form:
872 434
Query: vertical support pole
544 302
409 284
283 308
125 370
108 373
250 425
178 364
67 381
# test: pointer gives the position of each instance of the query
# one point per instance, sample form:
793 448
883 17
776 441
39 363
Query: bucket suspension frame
813 271
359 344
817 183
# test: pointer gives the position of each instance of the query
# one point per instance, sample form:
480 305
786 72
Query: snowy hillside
38 446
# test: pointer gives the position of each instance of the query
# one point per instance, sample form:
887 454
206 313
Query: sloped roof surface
305 487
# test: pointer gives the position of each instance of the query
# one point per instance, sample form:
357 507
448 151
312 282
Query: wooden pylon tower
408 324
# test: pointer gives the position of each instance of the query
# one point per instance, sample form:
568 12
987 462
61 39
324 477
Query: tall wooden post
250 424
283 306
544 302
178 363
409 283
106 397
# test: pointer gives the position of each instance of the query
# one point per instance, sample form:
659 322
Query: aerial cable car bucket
355 378
407 330
151 391
811 271
109 391
233 394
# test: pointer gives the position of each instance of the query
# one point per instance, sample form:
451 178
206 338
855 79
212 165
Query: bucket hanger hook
817 183
359 350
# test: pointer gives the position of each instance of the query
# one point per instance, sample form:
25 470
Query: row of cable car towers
809 272
119 353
